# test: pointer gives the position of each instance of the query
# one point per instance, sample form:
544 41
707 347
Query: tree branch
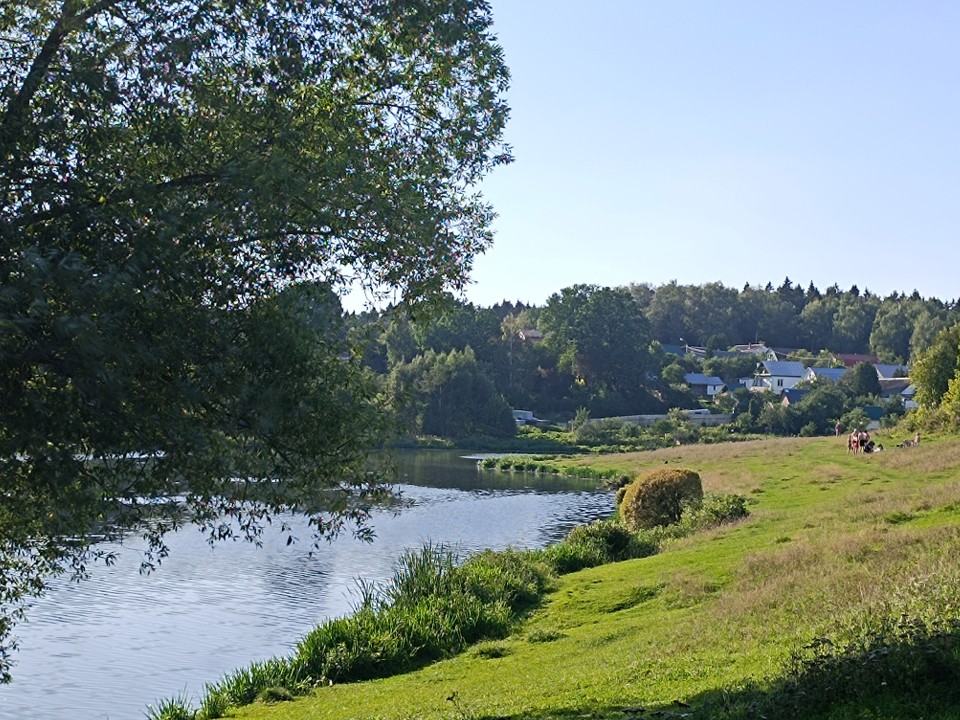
17 108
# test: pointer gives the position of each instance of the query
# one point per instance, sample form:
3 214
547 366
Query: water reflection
109 646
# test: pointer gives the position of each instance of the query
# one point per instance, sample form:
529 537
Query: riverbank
836 549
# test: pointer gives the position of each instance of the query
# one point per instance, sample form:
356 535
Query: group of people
859 441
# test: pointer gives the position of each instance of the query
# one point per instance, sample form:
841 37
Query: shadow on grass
914 677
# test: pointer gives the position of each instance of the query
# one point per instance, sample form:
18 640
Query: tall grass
432 607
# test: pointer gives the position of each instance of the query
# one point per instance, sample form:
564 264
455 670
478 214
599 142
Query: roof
781 353
885 370
755 348
831 374
894 386
793 395
784 368
851 359
701 379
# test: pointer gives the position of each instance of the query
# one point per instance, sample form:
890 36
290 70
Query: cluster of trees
596 352
894 328
602 348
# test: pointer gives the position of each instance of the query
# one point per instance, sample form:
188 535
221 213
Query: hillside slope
844 561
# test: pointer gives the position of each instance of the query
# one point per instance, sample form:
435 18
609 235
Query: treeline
457 372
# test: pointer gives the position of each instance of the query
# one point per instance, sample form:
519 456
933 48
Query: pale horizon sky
736 142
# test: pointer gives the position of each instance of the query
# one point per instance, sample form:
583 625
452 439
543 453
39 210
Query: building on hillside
755 348
909 397
791 396
781 353
851 359
900 388
777 376
759 349
530 335
526 417
700 353
832 375
888 371
703 385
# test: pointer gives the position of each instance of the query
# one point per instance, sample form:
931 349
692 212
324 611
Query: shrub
598 543
567 558
658 498
714 510
509 576
611 539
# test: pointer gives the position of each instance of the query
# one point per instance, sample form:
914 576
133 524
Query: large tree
171 173
601 337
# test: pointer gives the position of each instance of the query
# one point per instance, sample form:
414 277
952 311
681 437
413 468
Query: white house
777 376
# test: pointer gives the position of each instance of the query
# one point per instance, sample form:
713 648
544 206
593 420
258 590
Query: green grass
843 578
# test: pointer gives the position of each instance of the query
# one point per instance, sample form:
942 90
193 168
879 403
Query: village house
888 371
703 385
777 376
791 396
900 388
851 359
832 375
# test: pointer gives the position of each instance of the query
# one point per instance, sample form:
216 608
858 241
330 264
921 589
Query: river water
108 647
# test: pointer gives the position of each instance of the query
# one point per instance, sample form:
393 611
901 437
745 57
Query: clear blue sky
738 142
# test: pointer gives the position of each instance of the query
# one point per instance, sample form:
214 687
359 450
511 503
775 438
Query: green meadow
837 597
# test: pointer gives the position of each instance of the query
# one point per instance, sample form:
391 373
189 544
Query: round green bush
658 498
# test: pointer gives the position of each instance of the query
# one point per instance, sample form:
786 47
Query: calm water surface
109 646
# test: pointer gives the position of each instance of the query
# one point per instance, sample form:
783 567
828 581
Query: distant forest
455 372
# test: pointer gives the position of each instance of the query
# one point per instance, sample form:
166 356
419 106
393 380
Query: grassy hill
839 597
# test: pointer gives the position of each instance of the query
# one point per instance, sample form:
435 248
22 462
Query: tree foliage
170 174
448 395
934 368
862 380
602 339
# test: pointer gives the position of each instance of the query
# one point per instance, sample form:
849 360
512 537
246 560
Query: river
106 648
